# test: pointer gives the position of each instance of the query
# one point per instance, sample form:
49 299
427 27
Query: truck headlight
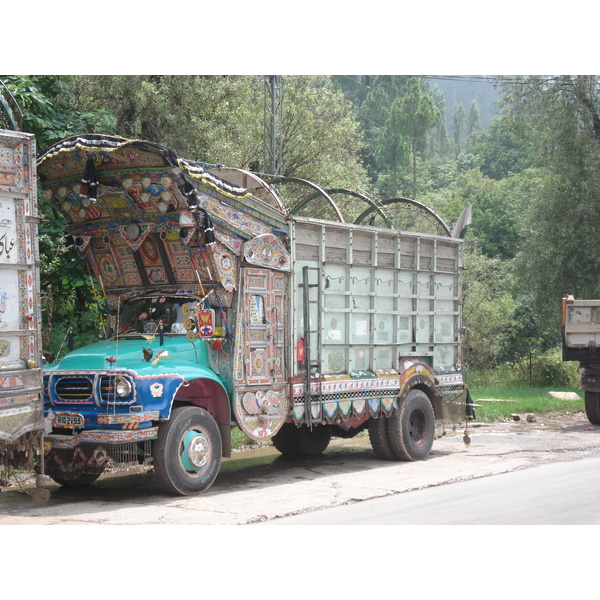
123 387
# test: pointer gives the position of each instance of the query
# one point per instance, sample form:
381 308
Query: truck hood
128 354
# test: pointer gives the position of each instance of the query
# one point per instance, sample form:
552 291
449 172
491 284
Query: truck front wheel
592 407
77 481
411 428
187 453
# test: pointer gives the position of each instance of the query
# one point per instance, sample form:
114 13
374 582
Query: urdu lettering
6 246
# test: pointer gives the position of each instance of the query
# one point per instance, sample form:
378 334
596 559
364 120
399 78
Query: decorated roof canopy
147 219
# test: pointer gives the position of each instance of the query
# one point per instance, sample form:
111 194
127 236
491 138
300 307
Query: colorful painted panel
340 398
20 336
261 412
267 251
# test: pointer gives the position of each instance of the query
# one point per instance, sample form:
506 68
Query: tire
378 435
77 481
187 453
411 427
285 442
302 441
592 407
70 470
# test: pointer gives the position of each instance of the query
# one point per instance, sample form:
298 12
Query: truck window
144 315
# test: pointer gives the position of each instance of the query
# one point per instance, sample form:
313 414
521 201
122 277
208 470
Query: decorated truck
21 404
225 310
581 343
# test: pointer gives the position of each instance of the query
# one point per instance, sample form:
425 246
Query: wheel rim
417 428
195 452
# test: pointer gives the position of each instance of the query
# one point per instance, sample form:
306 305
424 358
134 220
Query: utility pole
273 143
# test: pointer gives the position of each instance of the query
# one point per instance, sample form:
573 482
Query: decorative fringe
89 182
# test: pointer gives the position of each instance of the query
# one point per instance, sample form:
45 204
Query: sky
311 37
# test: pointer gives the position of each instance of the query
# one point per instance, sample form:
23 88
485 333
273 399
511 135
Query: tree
473 122
560 245
178 111
439 140
374 114
392 148
488 308
416 114
505 148
496 219
458 125
47 107
219 120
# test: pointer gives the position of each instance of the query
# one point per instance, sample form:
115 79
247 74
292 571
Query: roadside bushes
537 369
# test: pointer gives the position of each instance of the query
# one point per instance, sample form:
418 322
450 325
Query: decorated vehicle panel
21 418
221 310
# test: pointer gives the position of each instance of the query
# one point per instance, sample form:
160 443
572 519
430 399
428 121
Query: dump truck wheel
187 453
302 441
592 407
378 435
411 428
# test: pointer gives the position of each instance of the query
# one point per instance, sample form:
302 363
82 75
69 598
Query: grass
240 440
523 388
499 402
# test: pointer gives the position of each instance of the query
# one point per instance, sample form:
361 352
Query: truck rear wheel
411 428
302 441
378 435
187 453
592 407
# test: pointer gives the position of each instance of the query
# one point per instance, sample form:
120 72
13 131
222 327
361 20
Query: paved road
261 486
551 494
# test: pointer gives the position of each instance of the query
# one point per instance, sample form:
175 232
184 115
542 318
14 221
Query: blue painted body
154 386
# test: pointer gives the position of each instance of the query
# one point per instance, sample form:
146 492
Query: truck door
264 317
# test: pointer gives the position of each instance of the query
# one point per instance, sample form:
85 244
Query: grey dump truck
581 343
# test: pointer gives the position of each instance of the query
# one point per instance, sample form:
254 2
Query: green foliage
46 102
548 369
496 221
397 114
415 115
505 148
537 368
488 309
559 246
71 325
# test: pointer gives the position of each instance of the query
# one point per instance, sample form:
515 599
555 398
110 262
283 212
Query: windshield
143 315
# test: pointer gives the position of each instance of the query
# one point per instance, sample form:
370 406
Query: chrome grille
107 388
108 393
74 389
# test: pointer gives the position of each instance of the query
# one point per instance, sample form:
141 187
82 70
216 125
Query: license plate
68 420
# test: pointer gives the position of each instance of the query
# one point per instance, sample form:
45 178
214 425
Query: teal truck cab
226 311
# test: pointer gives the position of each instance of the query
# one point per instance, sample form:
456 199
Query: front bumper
101 436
